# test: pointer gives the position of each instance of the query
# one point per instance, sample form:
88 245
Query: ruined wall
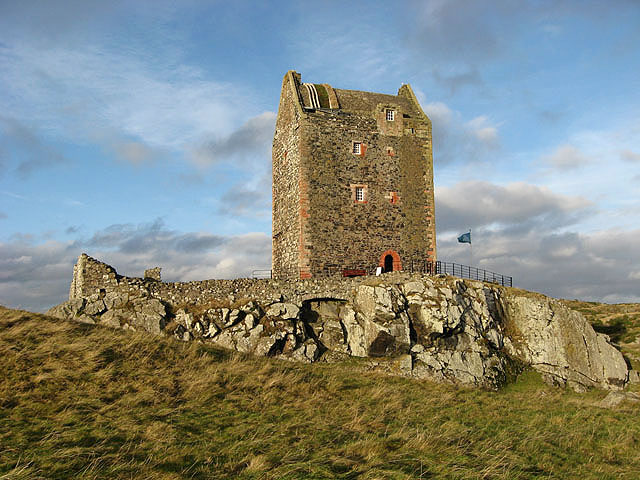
92 277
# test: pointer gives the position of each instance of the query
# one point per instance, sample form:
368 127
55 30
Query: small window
391 115
357 148
359 193
392 197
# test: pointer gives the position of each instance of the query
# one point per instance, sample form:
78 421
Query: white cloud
124 100
30 152
249 199
563 251
483 130
466 31
517 205
458 141
567 157
323 49
438 112
524 231
594 267
248 141
634 275
457 28
37 276
133 152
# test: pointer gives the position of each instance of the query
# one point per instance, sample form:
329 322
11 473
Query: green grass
80 401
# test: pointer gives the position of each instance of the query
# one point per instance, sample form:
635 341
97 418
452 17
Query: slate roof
357 101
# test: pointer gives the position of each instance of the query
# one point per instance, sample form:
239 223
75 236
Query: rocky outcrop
614 399
444 329
560 344
117 311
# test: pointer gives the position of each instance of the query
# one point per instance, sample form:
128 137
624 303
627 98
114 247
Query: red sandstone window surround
359 193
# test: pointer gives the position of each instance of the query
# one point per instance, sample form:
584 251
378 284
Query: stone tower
352 181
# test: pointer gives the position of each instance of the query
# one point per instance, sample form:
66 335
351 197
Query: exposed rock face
613 399
444 329
135 313
560 344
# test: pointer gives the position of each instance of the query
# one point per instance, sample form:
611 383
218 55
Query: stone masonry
435 327
352 181
352 191
92 277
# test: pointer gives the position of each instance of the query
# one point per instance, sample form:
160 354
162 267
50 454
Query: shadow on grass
617 329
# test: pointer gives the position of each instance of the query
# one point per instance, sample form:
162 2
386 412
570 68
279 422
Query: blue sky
140 132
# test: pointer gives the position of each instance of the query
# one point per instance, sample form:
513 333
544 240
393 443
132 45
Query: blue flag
465 238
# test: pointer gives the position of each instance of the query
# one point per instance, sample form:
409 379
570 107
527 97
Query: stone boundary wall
91 276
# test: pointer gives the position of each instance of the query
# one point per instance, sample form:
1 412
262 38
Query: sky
140 132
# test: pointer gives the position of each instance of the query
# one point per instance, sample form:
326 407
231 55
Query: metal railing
423 266
430 268
472 273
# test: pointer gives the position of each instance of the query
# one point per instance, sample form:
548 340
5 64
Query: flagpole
470 249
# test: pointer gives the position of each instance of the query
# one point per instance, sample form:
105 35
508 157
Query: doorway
388 263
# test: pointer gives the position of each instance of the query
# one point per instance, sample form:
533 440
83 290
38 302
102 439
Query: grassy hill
79 401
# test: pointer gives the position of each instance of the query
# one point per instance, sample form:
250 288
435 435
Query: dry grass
79 401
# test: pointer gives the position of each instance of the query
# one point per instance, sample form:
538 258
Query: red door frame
397 264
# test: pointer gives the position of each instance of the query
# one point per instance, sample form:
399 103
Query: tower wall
321 225
286 227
